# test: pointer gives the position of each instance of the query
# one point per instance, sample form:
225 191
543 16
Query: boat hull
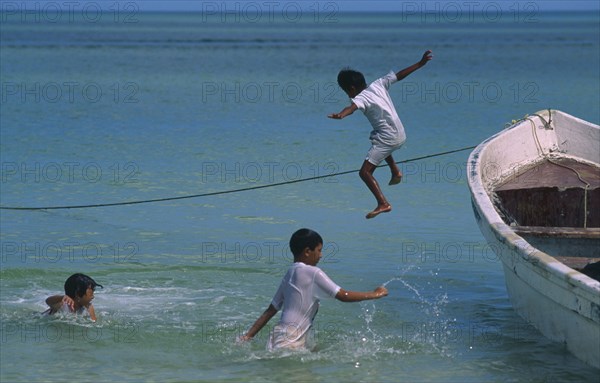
561 302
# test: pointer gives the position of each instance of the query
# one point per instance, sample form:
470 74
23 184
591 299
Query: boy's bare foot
395 179
378 210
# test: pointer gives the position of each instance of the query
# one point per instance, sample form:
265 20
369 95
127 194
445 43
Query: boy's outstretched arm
406 71
357 296
92 312
260 323
56 301
345 112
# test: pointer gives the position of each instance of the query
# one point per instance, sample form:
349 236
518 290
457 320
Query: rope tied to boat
239 190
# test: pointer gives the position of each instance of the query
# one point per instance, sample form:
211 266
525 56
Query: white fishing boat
535 189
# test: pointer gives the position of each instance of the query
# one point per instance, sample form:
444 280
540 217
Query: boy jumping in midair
388 133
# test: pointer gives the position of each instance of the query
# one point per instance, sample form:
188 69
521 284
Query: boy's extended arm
357 296
56 301
92 312
345 112
260 323
406 71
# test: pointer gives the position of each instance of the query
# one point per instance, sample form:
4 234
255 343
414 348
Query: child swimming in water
79 293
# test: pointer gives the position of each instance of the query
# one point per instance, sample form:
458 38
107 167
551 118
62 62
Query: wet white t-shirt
375 102
65 309
298 294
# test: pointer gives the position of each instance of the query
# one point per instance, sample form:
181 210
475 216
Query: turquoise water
147 106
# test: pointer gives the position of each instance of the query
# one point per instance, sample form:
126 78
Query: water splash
431 328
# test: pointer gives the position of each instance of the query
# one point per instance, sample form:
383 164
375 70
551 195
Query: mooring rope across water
239 190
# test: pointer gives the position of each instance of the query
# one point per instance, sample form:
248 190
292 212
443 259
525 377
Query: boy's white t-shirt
375 102
65 309
299 293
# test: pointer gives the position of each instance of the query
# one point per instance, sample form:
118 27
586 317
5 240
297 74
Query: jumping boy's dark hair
348 78
77 284
304 238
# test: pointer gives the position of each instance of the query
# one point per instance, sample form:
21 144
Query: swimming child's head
352 82
302 239
77 284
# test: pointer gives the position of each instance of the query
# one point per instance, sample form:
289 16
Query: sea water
144 106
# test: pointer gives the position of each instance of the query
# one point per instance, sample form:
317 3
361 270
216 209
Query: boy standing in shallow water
299 293
388 133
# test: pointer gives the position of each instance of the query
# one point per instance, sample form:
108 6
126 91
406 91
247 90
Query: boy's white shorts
379 151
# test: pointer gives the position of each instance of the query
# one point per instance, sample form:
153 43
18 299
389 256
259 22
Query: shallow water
174 105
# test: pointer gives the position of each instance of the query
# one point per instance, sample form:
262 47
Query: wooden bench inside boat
563 242
573 246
